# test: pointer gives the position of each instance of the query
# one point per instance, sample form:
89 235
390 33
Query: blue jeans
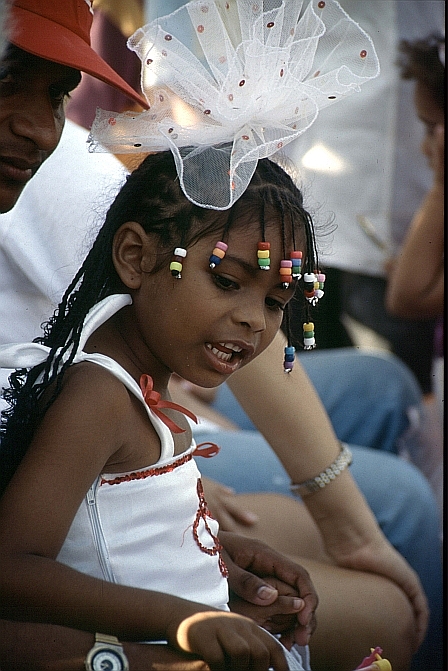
367 397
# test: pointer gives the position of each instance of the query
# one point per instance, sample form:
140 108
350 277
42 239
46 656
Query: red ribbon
155 402
206 450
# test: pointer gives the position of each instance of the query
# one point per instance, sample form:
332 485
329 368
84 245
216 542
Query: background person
420 294
362 165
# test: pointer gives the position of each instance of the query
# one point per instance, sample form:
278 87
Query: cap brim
43 38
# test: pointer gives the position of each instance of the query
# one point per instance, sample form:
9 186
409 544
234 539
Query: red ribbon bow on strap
206 450
154 401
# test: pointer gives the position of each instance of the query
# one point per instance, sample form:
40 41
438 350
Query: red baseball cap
59 31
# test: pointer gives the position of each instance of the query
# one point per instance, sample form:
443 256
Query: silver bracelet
342 461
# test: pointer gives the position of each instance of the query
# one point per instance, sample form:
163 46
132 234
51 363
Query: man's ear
129 249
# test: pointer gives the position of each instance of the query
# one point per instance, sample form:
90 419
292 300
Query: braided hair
151 197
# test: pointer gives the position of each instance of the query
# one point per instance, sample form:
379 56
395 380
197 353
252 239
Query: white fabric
140 531
229 83
362 158
45 237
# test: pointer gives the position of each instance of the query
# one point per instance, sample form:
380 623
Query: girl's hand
226 507
254 568
229 641
381 558
281 617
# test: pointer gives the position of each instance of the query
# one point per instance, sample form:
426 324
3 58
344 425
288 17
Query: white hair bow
229 83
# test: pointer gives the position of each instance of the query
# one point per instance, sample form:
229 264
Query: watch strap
105 641
105 638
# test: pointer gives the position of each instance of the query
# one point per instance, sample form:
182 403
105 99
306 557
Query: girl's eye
224 283
273 304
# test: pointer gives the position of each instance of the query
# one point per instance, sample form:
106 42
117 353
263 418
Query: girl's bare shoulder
99 406
92 399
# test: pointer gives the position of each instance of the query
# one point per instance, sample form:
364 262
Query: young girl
103 524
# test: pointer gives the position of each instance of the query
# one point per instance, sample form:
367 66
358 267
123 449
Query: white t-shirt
45 237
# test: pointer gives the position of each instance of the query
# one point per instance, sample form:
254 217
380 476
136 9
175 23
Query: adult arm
290 415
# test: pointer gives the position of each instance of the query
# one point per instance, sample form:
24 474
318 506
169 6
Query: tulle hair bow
229 83
155 403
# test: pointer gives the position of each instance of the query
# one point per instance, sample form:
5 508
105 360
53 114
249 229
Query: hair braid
151 197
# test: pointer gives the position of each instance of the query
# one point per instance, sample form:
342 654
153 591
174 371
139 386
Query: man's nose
37 122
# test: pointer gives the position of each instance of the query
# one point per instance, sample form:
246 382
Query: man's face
33 92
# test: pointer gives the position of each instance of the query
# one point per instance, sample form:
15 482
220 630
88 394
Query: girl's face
211 322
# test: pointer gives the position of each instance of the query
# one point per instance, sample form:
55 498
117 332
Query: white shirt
45 237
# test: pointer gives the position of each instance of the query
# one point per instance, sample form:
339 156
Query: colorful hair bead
309 280
218 254
176 264
319 290
285 273
308 336
263 255
290 357
296 258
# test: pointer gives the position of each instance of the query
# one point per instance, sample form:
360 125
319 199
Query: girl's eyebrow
250 268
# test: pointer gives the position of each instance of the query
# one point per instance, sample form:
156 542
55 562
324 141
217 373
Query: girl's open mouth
224 350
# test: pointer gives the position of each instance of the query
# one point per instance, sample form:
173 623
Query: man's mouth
17 169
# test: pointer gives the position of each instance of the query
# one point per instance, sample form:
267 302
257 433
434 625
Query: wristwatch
106 655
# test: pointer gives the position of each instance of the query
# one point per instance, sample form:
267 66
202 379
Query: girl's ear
128 251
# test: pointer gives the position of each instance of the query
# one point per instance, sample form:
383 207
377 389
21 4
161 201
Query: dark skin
33 93
26 646
243 308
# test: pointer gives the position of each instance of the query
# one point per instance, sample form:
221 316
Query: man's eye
58 95
5 76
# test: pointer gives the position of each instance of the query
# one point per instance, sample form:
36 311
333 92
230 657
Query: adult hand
378 556
253 566
277 618
225 506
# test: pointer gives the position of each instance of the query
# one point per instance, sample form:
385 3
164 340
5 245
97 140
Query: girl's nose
252 316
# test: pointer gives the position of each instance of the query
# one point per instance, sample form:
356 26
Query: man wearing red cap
49 44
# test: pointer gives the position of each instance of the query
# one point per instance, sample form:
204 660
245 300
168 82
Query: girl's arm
45 647
37 509
290 415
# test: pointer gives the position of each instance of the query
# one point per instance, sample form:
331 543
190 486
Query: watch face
107 660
